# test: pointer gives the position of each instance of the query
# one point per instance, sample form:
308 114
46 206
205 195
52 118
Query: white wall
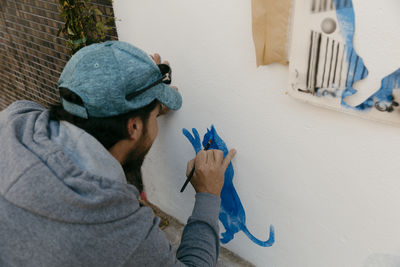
327 181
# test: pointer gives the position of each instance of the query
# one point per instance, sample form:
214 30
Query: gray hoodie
58 207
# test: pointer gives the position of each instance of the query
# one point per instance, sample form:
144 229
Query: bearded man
70 176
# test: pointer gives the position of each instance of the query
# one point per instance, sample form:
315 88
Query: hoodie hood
38 176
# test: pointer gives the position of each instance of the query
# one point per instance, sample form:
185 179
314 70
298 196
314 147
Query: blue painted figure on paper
231 214
356 68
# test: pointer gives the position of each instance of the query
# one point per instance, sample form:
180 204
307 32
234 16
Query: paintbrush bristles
208 144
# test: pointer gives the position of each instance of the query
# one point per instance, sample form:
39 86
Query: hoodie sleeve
200 239
199 244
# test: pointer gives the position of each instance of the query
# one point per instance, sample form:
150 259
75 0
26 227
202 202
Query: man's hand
209 170
157 59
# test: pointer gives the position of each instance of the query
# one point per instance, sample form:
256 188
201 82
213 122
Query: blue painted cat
231 214
346 19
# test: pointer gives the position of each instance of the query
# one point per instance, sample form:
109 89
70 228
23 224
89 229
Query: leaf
70 31
79 41
110 20
98 12
84 23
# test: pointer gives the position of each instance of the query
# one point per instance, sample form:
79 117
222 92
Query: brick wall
31 55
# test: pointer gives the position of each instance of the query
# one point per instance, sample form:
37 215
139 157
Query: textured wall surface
327 181
31 55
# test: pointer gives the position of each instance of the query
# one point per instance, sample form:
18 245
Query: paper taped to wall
270 30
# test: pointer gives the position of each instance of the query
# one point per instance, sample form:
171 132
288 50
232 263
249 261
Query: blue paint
357 70
231 214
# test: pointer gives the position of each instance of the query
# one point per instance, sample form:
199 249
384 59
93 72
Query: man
64 196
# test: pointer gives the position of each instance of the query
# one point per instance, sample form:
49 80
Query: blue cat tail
268 243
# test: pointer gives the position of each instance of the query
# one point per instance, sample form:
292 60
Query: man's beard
133 165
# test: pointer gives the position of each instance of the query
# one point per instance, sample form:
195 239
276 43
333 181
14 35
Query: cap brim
169 97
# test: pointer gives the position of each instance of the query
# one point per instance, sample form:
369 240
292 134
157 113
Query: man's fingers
218 155
210 156
228 158
156 57
201 157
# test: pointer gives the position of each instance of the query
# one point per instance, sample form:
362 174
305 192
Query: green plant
82 24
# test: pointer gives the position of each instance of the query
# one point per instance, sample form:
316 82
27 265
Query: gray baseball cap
113 78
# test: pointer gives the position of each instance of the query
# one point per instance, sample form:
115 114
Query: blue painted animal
231 214
358 70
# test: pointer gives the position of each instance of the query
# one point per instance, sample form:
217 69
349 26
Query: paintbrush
192 171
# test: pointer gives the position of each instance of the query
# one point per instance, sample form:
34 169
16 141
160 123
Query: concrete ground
173 230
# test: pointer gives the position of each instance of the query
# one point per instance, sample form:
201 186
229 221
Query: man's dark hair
108 131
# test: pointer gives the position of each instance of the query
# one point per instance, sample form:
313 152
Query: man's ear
135 128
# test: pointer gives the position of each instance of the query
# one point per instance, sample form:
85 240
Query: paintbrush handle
187 180
192 171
